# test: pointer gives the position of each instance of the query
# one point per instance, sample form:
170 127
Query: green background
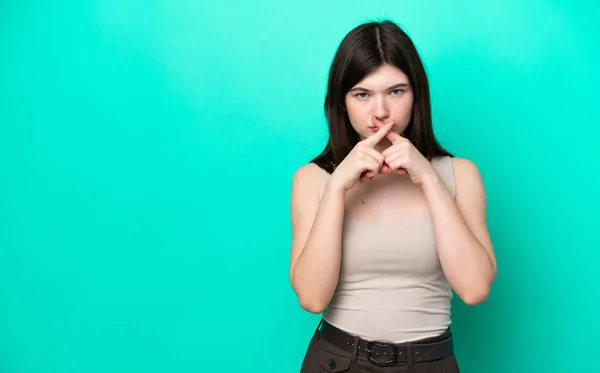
146 156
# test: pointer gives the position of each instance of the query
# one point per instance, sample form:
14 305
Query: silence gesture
402 157
363 162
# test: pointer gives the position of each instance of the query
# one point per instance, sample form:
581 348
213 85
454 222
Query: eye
361 95
397 91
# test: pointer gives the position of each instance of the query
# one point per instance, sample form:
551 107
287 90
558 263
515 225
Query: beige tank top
391 283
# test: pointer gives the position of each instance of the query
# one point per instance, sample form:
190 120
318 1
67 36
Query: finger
393 149
391 135
369 174
380 134
397 163
371 164
383 167
379 158
375 154
391 158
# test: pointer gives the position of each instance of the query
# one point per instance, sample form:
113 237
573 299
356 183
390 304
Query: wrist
431 181
332 187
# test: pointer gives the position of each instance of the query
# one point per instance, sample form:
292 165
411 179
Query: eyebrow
399 85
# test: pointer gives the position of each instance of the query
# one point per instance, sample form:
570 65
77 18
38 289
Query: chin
367 133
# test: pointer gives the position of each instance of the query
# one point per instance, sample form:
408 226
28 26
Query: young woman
386 224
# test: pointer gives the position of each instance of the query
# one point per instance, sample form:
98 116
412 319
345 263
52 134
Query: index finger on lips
379 135
391 135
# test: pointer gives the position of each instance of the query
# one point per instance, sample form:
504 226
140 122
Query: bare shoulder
307 179
464 166
467 177
306 188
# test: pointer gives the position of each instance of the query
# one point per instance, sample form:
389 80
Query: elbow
308 299
310 302
312 306
475 295
478 290
474 300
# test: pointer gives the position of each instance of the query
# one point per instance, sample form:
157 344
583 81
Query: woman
386 224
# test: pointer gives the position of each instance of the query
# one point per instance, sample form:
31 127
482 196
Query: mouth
376 128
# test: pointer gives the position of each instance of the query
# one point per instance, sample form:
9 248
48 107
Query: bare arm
316 238
463 241
317 225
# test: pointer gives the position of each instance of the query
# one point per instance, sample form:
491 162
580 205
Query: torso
391 284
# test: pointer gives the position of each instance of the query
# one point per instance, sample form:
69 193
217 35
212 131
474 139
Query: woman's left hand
403 158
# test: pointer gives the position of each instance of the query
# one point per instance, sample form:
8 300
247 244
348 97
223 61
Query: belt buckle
384 344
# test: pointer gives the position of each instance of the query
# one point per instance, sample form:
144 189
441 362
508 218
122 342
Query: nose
381 111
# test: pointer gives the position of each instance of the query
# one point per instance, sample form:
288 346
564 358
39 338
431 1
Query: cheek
356 113
403 110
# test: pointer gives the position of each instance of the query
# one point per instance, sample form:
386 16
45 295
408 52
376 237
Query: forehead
385 76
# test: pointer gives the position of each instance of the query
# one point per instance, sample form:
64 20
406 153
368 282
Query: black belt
384 353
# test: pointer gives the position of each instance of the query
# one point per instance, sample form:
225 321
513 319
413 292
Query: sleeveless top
391 285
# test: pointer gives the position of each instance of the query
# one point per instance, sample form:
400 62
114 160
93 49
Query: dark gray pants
321 356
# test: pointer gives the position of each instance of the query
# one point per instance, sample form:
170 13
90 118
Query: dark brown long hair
363 50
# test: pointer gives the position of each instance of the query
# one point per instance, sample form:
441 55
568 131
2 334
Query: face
384 94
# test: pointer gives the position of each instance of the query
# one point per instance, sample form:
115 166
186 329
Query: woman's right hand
363 162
